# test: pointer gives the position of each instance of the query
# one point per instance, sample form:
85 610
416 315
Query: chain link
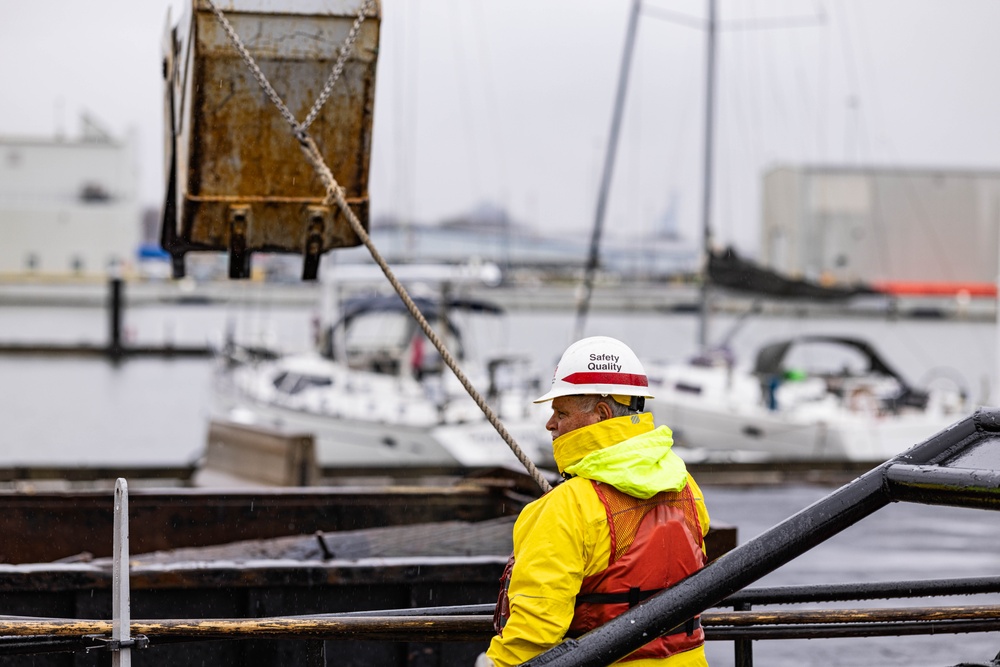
252 64
338 68
335 194
345 50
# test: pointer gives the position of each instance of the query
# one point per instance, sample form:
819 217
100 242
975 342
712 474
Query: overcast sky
509 101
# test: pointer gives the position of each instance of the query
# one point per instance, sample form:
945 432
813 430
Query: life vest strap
688 627
632 596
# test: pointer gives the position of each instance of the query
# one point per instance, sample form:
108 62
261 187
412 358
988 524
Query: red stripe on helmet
630 379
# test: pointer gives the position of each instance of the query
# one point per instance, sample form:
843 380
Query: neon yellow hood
629 453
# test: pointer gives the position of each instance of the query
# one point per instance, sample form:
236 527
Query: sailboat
376 395
849 404
806 397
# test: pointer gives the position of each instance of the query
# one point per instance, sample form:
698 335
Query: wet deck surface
902 541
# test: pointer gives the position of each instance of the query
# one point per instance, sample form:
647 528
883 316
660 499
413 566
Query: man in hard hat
628 522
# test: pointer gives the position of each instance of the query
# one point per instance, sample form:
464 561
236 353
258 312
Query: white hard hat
598 365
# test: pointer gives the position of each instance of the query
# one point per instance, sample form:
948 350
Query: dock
519 293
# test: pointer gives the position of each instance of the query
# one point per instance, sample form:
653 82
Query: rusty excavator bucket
236 178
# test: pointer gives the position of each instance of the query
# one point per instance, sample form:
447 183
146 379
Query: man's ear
604 410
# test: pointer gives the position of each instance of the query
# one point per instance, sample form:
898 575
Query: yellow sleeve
556 544
699 500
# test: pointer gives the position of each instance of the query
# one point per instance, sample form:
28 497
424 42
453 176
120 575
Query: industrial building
907 231
68 207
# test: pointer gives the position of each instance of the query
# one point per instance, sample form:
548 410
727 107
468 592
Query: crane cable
335 194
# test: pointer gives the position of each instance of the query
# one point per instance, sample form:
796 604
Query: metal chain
338 68
336 194
345 50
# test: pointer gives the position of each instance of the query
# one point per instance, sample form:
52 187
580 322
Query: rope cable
492 100
462 86
335 194
823 93
862 71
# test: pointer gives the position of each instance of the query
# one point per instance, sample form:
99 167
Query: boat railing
465 623
748 624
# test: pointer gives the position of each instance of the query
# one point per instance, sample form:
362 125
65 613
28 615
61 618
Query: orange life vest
502 610
654 544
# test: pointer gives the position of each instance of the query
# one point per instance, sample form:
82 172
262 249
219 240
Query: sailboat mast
706 204
583 300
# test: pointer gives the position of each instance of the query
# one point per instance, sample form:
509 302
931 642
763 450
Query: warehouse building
909 231
68 206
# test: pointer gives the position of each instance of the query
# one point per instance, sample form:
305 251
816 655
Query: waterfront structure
933 231
513 246
68 206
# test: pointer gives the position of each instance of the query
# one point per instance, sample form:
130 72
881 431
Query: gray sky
509 101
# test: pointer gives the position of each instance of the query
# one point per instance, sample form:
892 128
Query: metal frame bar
239 255
908 588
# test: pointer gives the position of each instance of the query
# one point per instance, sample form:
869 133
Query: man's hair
588 402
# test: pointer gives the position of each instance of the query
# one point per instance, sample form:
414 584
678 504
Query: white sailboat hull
720 408
781 436
368 420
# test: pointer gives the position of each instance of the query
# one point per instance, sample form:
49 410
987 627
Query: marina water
153 411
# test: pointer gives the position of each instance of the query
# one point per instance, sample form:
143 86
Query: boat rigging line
593 258
335 194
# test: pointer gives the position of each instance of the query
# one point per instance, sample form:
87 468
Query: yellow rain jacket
563 536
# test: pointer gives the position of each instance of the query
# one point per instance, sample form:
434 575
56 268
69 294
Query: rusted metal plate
231 150
262 589
439 539
52 526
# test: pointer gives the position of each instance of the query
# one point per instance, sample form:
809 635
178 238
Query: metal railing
959 467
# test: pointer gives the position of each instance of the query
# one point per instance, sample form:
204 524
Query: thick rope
335 194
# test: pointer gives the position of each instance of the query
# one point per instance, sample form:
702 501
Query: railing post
120 654
743 648
315 653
